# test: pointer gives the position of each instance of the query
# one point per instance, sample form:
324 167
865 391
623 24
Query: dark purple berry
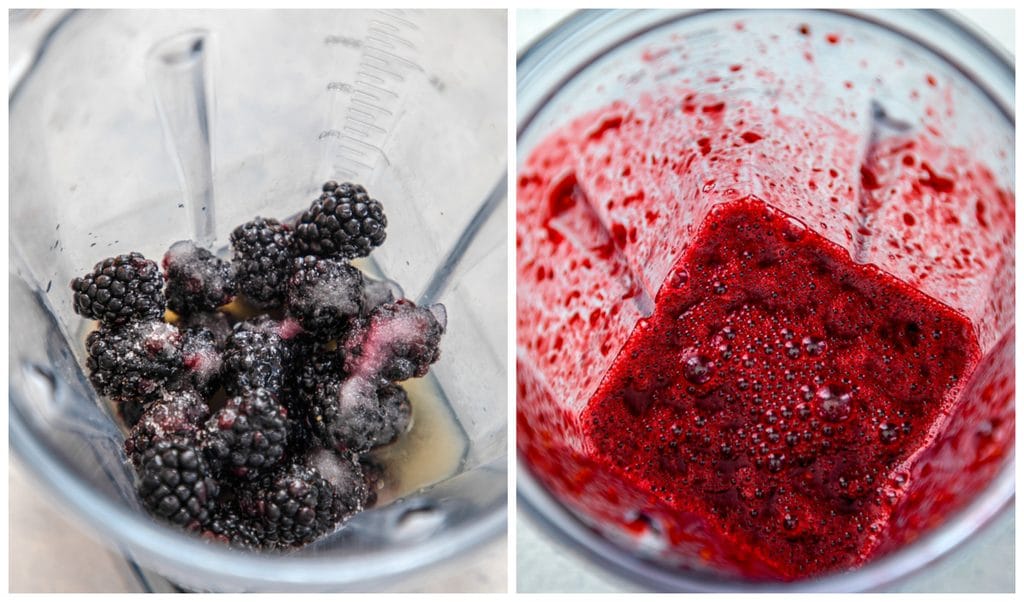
120 289
343 222
262 260
175 484
248 435
197 280
323 295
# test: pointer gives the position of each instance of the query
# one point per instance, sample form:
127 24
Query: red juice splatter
711 368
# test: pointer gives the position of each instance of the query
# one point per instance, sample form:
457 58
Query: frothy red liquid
778 390
753 346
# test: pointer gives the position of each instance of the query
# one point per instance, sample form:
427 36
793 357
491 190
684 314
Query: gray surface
985 564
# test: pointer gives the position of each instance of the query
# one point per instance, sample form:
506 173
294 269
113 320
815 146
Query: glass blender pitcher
133 129
880 75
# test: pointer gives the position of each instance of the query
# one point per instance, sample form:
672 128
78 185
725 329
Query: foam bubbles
834 403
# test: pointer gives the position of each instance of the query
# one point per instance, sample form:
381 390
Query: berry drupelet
262 259
120 289
343 222
229 527
197 280
358 416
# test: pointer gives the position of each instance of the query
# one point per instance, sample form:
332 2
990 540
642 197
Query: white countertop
45 536
985 564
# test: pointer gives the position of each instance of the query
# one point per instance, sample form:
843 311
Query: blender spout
178 75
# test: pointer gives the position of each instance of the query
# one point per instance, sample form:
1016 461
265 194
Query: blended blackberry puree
778 323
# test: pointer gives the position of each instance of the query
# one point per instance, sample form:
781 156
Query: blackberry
176 414
397 341
135 360
214 322
229 527
360 417
315 372
323 294
255 358
397 412
119 290
175 484
345 474
262 259
294 505
202 360
377 293
247 435
343 222
197 280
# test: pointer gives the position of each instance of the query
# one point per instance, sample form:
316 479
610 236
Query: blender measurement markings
384 63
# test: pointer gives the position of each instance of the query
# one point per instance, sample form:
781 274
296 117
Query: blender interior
134 129
597 59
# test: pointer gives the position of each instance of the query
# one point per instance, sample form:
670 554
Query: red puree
730 340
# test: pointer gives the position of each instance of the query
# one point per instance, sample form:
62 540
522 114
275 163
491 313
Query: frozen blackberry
301 439
178 414
254 358
262 260
229 527
294 505
133 361
360 417
202 359
323 295
215 322
377 293
397 412
315 372
345 474
397 341
175 484
120 289
247 435
197 280
343 222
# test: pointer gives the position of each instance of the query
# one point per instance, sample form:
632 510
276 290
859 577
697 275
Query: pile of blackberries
254 432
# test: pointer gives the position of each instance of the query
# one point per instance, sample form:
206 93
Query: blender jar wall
597 59
91 176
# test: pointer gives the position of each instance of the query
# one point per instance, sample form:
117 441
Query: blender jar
132 129
868 81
